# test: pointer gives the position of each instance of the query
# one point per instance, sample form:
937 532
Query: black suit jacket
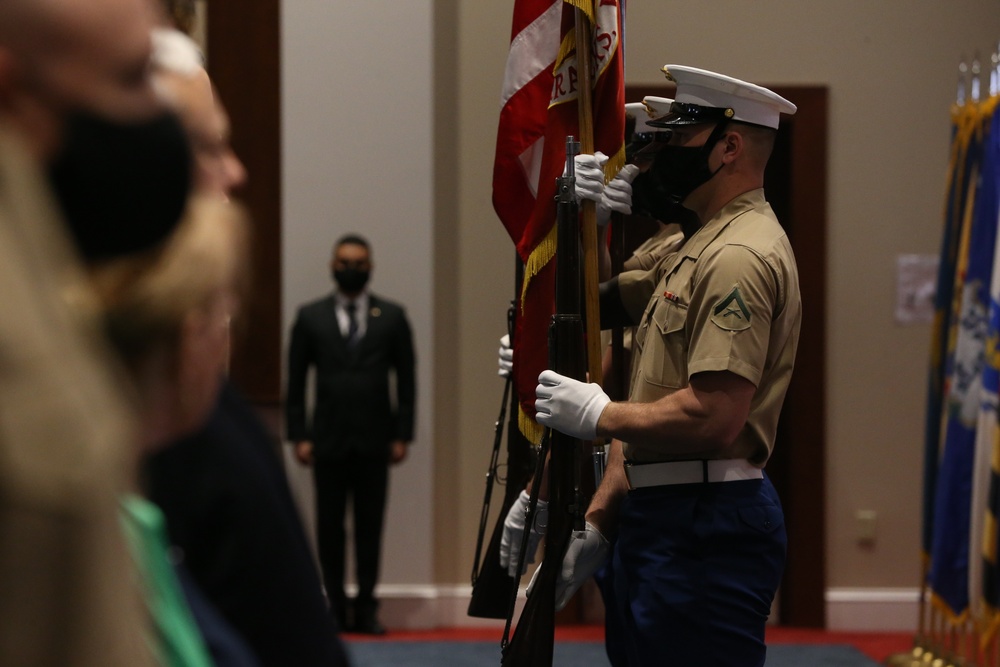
354 410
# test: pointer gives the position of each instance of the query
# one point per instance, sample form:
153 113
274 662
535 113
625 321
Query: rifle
491 585
532 643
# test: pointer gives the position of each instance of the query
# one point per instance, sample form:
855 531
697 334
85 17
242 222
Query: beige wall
891 68
390 113
357 112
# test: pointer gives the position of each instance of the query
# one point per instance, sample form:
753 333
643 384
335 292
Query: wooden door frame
244 61
798 465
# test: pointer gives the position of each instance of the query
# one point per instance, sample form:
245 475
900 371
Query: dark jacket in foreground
230 511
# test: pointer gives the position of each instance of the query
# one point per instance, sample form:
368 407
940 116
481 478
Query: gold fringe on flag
530 429
539 257
566 48
585 6
614 165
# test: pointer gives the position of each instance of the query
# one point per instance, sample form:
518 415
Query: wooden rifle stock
532 643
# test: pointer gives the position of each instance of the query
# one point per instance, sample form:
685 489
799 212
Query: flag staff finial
963 75
974 72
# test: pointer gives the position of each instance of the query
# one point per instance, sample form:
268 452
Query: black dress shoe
369 626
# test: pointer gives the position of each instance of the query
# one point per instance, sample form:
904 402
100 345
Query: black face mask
651 198
680 170
122 186
351 281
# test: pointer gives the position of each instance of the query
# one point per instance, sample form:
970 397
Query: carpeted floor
571 654
787 647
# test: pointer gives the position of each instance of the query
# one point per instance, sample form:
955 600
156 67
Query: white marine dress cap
645 111
657 107
707 97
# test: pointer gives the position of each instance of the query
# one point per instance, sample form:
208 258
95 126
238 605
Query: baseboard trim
424 607
872 609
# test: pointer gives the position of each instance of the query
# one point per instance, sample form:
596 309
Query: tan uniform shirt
68 593
647 256
727 300
652 250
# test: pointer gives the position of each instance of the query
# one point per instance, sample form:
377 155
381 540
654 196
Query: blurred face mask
351 280
122 186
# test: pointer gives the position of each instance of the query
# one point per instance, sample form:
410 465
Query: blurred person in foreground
170 326
230 513
77 117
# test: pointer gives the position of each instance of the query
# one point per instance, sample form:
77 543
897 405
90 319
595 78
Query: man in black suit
355 341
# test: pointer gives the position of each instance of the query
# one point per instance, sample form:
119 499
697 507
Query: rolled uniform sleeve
730 313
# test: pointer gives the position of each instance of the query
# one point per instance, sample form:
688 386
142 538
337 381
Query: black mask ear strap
713 138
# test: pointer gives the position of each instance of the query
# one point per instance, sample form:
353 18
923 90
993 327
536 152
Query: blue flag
987 584
958 169
950 551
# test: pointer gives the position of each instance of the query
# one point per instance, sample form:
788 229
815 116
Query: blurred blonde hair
181 13
145 298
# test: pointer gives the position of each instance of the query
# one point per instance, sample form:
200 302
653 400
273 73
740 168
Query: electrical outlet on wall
865 526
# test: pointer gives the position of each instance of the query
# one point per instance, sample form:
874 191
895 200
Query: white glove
590 183
506 361
585 555
590 175
569 406
617 195
513 529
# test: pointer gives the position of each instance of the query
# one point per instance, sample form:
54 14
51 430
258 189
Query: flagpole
585 114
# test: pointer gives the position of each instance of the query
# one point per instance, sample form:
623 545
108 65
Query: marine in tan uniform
667 238
616 196
700 535
728 300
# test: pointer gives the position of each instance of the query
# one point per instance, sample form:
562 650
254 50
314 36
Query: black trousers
364 480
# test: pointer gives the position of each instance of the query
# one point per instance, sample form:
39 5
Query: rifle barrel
533 641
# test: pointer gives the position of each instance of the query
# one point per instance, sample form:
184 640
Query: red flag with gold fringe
539 111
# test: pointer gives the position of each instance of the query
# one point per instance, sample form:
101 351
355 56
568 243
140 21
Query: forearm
603 510
707 415
604 267
406 383
295 390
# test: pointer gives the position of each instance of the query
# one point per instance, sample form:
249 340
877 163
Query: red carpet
876 645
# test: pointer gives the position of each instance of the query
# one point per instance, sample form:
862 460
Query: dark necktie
352 326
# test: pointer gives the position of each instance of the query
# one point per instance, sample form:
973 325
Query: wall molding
425 607
872 609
